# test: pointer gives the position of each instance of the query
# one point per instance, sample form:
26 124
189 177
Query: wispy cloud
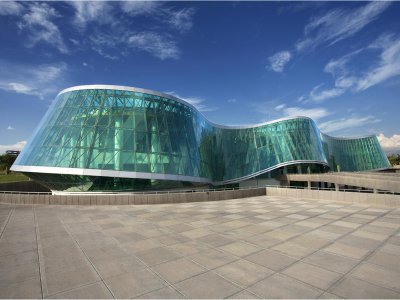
38 24
16 146
347 123
318 95
278 61
315 113
137 8
10 8
92 11
339 24
35 80
181 20
386 65
232 100
9 127
119 38
330 28
197 102
158 45
390 143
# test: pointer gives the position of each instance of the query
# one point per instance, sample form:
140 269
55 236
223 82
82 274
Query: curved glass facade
118 138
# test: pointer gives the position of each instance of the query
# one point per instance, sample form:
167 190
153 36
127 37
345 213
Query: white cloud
354 79
181 19
10 8
313 113
10 127
155 44
195 101
339 24
279 60
16 146
38 81
390 144
37 22
346 123
136 8
232 100
388 66
317 95
92 11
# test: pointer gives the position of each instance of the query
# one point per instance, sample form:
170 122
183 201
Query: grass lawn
13 177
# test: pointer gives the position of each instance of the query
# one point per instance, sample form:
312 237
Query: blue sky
238 62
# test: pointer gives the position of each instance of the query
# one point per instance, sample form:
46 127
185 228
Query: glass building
114 138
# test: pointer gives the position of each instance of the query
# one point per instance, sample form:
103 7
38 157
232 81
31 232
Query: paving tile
112 267
327 295
131 285
359 242
163 293
215 240
353 288
92 291
207 285
332 262
378 275
281 286
263 241
13 260
243 273
178 270
57 282
345 250
212 258
188 248
13 274
28 289
312 275
293 249
196 233
156 256
240 248
271 259
244 295
386 260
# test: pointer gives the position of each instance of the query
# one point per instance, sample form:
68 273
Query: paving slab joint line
6 222
167 284
370 253
84 253
341 275
40 262
301 259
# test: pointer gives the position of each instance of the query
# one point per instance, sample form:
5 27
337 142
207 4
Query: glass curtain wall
119 130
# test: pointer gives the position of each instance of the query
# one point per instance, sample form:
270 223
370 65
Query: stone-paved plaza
260 247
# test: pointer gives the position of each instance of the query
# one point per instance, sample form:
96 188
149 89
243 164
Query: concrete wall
381 181
129 199
387 200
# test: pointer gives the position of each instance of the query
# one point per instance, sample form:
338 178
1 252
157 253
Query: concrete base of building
129 199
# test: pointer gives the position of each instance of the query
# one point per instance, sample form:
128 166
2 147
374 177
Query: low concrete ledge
129 199
385 200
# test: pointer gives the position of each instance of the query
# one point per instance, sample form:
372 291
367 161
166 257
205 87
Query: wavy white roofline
152 92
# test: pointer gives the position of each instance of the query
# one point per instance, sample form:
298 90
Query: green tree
6 161
394 159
